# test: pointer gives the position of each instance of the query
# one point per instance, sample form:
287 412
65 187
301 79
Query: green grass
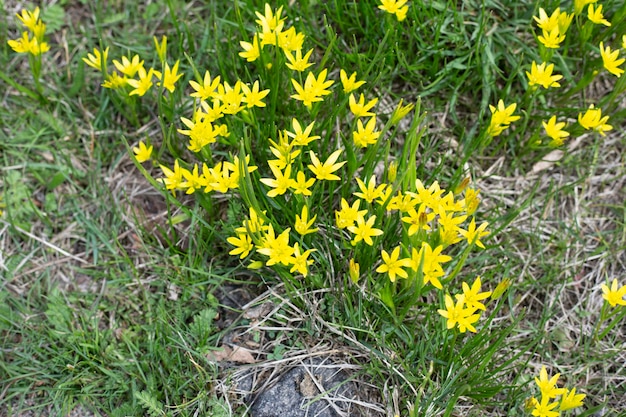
116 296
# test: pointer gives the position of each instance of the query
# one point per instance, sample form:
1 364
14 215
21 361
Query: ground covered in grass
132 287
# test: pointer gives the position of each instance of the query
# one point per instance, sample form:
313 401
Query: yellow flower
129 67
545 22
361 109
610 61
281 181
614 295
142 152
170 76
253 96
457 315
325 171
349 83
207 89
571 400
251 51
298 63
173 178
299 260
364 230
290 40
370 192
592 119
551 39
555 131
348 214
270 22
144 83
596 15
418 219
276 247
472 296
301 184
579 5
547 385
22 45
29 19
473 234
542 75
501 117
242 243
114 81
392 265
303 224
301 137
231 97
397 7
545 409
96 59
365 135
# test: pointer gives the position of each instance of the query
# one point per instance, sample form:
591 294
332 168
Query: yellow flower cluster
501 118
130 75
396 7
33 39
545 406
463 312
554 28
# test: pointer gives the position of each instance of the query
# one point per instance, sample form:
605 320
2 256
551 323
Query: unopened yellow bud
255 265
400 112
392 171
355 271
161 48
501 288
463 185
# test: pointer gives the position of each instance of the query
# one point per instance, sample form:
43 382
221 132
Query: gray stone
313 389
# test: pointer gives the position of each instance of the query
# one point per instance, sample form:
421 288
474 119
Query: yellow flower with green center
364 230
303 225
173 178
418 219
301 184
610 60
615 294
29 19
474 234
252 96
555 131
472 295
325 171
542 75
545 22
231 97
207 89
242 243
392 265
298 62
